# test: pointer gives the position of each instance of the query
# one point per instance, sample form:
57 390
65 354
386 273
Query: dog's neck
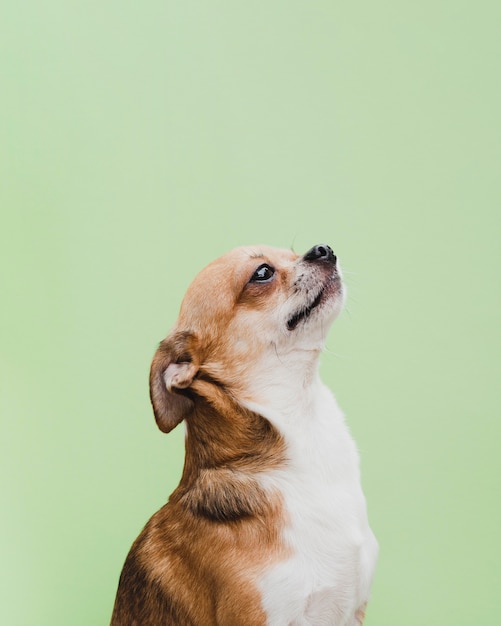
227 446
285 382
223 433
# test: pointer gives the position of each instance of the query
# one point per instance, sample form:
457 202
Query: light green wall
140 140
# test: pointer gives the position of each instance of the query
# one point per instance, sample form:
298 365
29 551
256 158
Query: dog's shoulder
143 599
188 567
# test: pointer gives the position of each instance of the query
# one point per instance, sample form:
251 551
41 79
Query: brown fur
195 561
198 559
360 616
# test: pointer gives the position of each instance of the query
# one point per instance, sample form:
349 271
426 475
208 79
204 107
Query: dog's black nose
322 252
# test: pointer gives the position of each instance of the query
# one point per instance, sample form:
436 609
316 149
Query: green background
138 142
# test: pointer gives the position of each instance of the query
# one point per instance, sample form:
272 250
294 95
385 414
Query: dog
268 525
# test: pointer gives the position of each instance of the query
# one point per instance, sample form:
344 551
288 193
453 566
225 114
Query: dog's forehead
245 255
246 258
234 269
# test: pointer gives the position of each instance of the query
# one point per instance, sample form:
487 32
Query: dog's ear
173 368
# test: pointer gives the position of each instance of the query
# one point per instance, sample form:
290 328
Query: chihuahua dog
268 525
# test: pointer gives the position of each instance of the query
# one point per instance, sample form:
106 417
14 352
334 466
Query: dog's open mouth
304 312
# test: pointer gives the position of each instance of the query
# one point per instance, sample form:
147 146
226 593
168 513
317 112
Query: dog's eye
263 273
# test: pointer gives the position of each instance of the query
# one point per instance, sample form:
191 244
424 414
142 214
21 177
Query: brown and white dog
268 524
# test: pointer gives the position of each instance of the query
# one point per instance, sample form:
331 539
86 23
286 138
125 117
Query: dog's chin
323 308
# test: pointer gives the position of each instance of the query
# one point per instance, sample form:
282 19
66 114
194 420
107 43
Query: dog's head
248 310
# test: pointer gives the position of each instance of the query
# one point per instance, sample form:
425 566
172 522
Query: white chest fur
327 577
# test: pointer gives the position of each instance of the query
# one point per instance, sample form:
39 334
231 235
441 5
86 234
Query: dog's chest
327 574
